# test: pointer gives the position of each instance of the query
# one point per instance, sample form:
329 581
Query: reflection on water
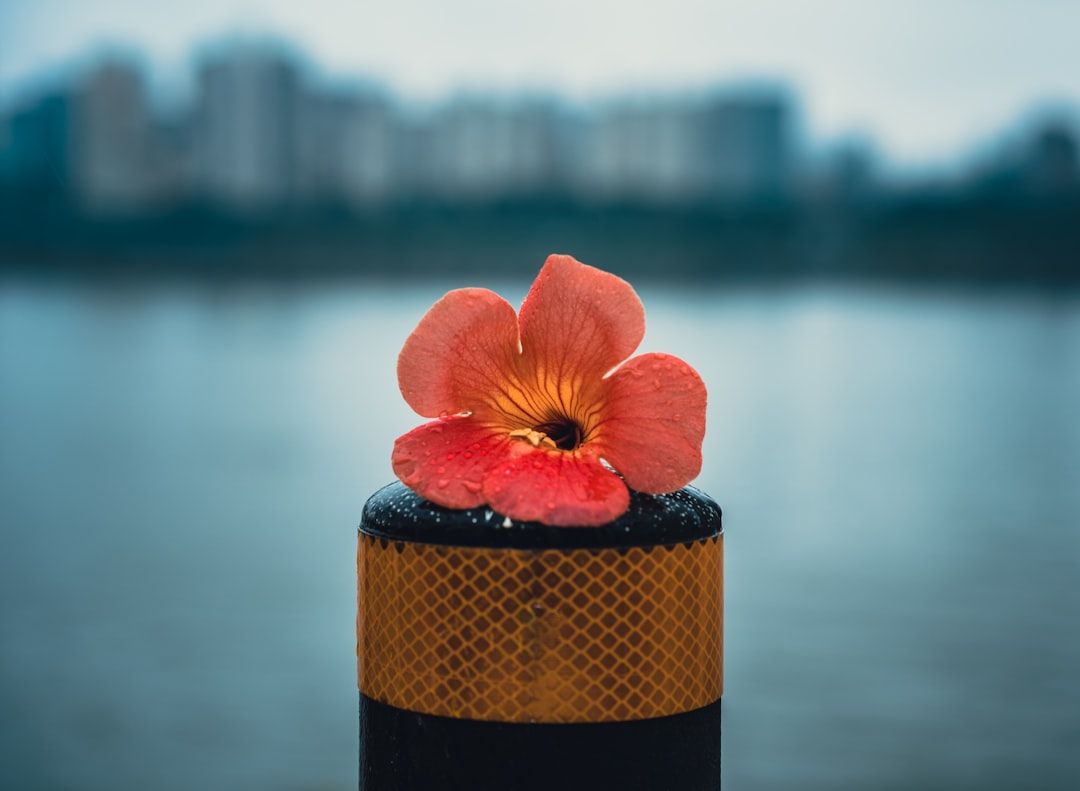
182 469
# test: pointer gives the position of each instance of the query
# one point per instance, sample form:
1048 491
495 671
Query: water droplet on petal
468 454
443 483
676 417
472 486
449 456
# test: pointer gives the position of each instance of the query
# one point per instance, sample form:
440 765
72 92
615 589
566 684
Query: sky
925 79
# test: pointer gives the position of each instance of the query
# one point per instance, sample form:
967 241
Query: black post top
397 513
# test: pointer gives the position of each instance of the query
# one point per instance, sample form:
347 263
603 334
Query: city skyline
262 128
259 133
925 81
270 167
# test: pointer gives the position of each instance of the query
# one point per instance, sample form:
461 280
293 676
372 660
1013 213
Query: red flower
541 416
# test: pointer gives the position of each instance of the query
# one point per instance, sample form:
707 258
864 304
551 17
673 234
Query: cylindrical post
501 655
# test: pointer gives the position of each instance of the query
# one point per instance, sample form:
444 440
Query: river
183 465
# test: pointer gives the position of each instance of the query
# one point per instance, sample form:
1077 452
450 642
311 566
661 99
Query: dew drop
468 454
443 483
676 417
472 486
551 506
442 470
449 456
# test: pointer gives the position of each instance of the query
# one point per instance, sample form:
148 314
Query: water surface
182 467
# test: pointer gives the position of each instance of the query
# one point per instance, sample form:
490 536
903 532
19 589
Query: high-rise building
746 146
35 148
370 157
1052 164
111 138
487 148
246 127
640 150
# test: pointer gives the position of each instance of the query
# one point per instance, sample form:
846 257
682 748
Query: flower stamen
565 433
534 438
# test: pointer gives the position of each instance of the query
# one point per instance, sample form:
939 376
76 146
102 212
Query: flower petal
577 323
447 460
556 488
653 423
459 353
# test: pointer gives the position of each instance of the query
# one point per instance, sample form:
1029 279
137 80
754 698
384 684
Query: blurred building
321 147
247 120
35 148
641 150
1040 163
370 158
735 148
484 148
472 149
347 148
262 135
747 147
112 140
1051 166
549 154
844 175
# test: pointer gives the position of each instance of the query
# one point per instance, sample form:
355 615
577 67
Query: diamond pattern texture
510 635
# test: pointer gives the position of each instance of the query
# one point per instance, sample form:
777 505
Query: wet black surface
404 750
397 513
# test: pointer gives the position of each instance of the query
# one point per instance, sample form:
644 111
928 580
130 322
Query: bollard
495 655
